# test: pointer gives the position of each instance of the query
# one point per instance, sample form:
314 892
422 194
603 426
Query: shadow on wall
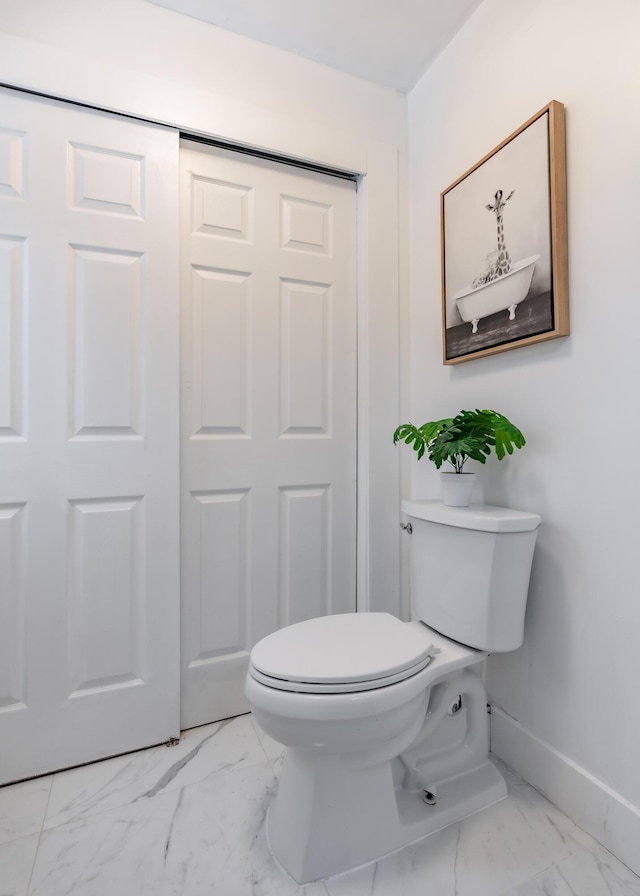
546 627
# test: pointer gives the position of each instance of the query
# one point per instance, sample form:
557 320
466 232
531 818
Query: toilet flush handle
407 527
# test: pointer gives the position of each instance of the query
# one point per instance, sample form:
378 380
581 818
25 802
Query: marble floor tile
190 821
587 873
485 855
512 778
205 838
23 807
81 792
16 863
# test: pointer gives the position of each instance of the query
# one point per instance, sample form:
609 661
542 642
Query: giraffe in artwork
500 260
504 261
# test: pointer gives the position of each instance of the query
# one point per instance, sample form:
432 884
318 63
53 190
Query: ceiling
389 42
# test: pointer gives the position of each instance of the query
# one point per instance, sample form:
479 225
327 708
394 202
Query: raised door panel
12 163
12 329
106 181
220 350
219 566
221 209
13 676
217 627
105 608
305 358
108 308
305 225
305 554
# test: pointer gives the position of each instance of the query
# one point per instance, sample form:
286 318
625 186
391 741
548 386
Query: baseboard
594 806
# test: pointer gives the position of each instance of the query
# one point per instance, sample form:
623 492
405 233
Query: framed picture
504 245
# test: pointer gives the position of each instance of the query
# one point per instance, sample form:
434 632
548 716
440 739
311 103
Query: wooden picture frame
504 245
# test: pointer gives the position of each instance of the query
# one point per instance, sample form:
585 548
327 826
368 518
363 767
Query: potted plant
470 434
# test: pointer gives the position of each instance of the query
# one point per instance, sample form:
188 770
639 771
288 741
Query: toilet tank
470 569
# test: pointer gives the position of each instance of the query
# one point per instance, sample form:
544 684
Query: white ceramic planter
457 488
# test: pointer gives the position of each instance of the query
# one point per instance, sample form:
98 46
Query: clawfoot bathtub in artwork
503 294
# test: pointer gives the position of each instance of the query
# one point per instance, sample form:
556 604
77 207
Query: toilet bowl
384 722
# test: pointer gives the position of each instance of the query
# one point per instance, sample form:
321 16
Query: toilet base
328 818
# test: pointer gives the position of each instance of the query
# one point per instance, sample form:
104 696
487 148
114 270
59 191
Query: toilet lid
343 653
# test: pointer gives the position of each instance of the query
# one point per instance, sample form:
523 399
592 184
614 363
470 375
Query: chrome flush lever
408 528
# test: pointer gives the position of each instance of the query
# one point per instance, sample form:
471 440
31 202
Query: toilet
385 722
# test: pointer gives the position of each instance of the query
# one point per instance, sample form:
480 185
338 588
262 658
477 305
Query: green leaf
470 434
507 435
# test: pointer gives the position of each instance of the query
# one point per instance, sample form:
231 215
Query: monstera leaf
506 434
419 437
470 434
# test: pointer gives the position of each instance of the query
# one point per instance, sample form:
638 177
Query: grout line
40 832
46 808
33 864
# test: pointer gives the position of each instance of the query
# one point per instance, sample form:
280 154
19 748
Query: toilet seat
342 654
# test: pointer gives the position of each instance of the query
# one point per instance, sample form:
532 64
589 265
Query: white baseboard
593 805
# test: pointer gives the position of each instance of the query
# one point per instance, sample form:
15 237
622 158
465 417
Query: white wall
134 57
568 717
110 35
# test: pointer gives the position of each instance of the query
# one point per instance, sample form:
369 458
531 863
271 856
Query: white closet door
89 360
268 284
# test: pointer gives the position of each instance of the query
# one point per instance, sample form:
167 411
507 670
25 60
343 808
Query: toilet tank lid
481 517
